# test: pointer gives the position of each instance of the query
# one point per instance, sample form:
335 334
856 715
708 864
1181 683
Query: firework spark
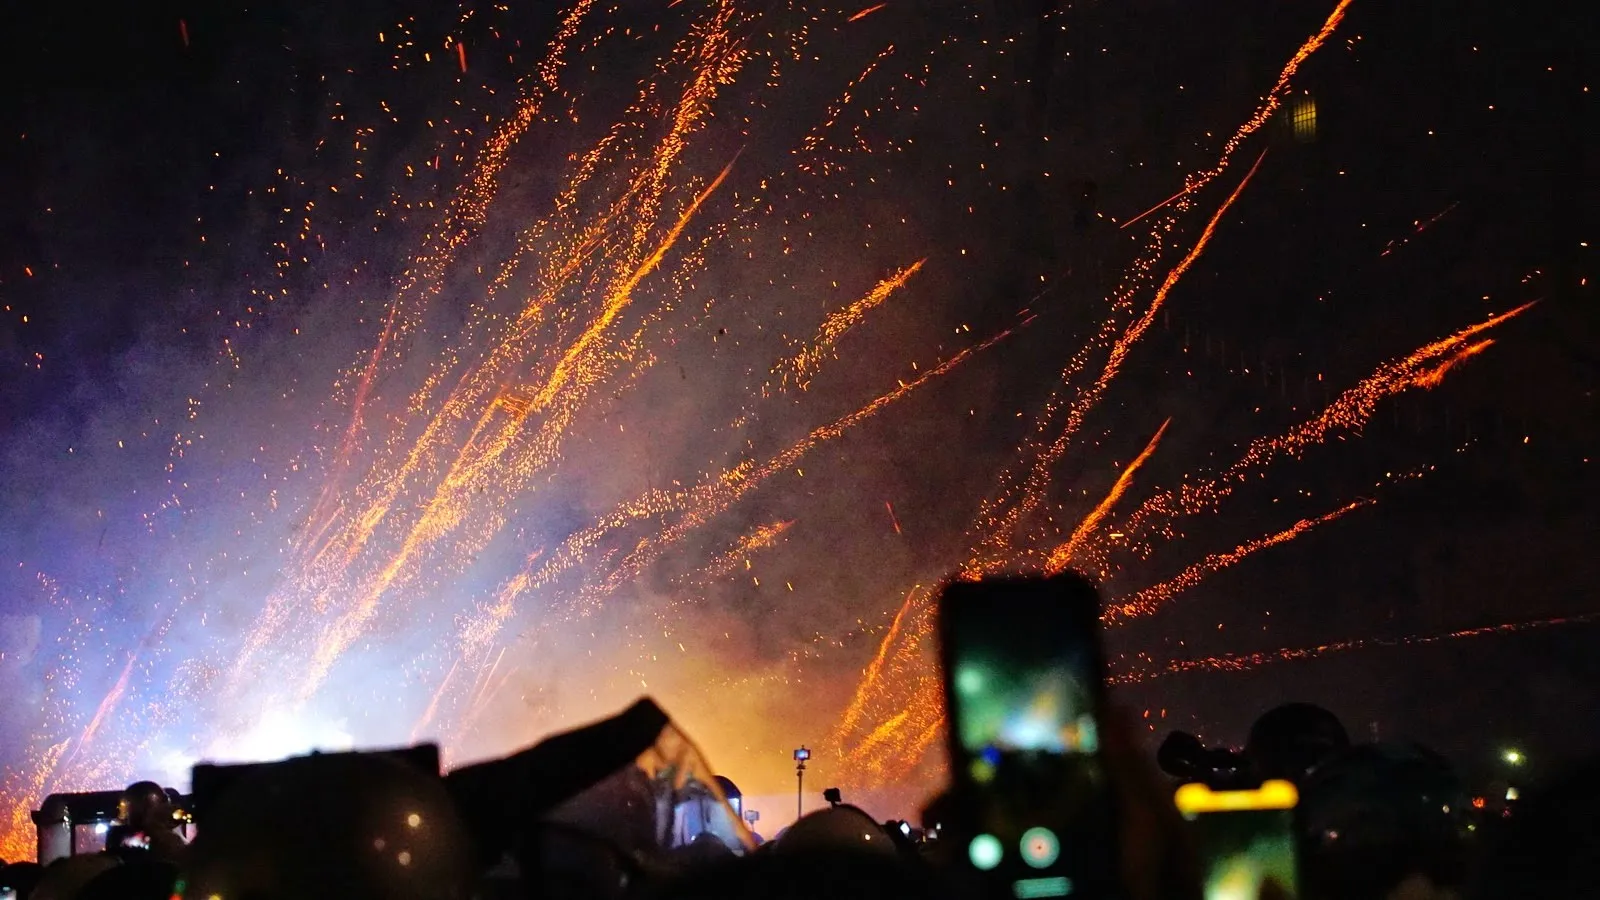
1240 662
1150 599
474 460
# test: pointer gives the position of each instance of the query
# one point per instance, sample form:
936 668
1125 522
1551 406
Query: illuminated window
1303 118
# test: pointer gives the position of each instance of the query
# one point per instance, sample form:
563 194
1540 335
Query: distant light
905 828
404 857
1511 793
1303 119
1514 757
414 820
101 828
985 852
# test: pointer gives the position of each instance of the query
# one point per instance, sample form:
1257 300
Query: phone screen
1023 669
1245 840
1023 686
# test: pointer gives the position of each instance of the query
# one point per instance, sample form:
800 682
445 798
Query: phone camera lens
1040 847
985 852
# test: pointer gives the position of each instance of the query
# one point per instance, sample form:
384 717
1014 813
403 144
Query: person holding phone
1050 796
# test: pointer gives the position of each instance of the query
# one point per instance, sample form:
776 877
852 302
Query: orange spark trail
433 704
438 519
1000 515
467 212
1181 192
1240 662
761 538
893 519
1039 478
1063 555
1433 379
1148 600
806 363
712 498
20 793
852 713
704 503
1274 98
623 295
1421 368
1417 229
736 483
865 12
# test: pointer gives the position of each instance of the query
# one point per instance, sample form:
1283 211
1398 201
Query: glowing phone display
1245 839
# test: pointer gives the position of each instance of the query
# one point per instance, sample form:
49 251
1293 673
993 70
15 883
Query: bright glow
1511 793
278 735
1040 847
414 820
1197 798
1029 888
985 852
1514 757
969 679
101 828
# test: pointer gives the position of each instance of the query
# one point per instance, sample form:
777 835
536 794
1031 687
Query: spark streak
1063 555
1151 598
1241 662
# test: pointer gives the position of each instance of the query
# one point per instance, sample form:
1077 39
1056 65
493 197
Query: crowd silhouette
627 807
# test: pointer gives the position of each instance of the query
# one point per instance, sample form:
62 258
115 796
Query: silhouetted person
1290 740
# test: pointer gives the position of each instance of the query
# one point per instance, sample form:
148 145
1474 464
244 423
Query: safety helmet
350 826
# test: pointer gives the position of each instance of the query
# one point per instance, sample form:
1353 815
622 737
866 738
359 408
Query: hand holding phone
1024 686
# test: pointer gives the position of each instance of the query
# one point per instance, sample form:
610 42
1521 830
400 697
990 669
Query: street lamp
800 757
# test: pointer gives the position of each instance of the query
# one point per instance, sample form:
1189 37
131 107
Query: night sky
220 337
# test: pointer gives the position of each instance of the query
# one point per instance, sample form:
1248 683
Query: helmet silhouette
1290 740
349 825
841 828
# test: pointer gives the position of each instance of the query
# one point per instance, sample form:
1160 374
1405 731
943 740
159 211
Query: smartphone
1245 839
1024 696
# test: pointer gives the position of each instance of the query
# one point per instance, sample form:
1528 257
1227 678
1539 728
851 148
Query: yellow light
1193 799
413 820
1303 118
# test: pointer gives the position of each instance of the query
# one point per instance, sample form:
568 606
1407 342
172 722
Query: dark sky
150 154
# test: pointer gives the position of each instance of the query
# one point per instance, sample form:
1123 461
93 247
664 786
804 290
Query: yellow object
1193 799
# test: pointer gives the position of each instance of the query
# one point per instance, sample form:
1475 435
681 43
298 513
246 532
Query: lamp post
800 757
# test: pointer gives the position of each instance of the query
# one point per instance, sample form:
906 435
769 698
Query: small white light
1511 793
101 828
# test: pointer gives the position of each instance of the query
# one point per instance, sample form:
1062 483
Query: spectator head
347 825
1290 740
